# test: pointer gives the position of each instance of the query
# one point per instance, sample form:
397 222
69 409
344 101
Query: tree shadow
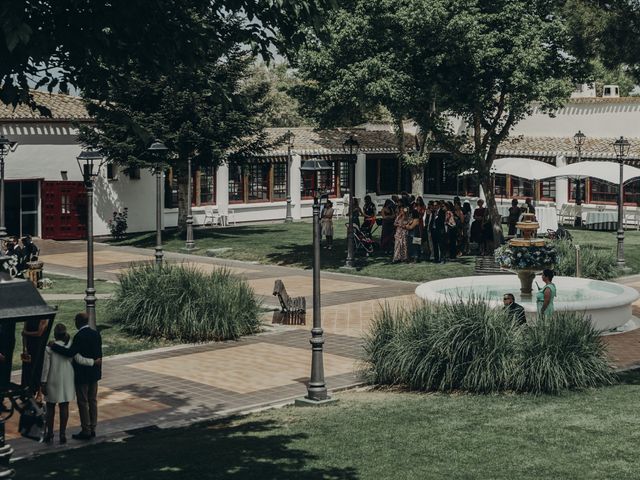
629 377
230 449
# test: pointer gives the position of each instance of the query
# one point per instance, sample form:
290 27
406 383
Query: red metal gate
64 210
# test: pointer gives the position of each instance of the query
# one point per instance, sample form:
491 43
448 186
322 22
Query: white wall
601 118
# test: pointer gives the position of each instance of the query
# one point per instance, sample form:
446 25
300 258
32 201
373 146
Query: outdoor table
600 221
547 218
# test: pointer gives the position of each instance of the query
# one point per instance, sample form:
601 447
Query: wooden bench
293 309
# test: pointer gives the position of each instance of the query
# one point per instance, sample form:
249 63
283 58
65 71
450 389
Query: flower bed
514 258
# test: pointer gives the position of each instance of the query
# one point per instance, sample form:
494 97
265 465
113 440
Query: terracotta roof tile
63 107
554 146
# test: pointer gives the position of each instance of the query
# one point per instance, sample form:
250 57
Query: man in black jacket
88 343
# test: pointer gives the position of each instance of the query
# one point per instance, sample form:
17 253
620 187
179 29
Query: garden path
178 385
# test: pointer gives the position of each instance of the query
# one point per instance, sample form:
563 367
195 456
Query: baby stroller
362 240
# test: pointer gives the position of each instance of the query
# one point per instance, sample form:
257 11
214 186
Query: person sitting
514 309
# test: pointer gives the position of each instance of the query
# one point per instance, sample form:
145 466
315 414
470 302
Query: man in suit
88 343
514 309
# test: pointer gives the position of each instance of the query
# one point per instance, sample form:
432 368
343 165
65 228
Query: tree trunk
417 180
182 199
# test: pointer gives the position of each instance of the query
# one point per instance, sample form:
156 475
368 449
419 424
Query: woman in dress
32 338
370 211
477 227
452 230
546 295
326 222
57 382
414 240
388 219
400 252
466 225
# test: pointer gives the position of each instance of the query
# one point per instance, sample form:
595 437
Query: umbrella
607 171
519 167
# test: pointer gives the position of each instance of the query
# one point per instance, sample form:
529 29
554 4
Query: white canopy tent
520 167
607 171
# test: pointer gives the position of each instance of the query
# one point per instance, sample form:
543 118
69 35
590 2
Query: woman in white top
58 383
326 222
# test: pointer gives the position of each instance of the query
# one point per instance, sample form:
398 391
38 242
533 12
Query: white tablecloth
600 220
547 219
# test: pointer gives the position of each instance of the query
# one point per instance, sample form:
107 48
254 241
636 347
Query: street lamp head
351 145
6 146
157 147
289 138
86 161
579 139
621 147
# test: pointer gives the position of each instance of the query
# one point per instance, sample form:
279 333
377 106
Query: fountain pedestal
526 278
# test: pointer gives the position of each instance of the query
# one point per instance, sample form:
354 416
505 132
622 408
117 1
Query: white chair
231 217
210 217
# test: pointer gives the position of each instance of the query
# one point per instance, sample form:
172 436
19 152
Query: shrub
561 352
182 303
118 224
466 345
596 263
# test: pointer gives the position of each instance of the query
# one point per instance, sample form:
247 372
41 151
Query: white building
45 195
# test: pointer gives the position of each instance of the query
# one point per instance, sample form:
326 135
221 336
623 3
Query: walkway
178 385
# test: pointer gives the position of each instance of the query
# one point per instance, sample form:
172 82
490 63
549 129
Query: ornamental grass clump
562 352
467 345
595 263
178 302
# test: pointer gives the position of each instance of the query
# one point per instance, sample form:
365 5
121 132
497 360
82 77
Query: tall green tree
208 115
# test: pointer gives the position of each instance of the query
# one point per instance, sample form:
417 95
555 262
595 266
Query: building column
562 184
295 179
222 189
361 176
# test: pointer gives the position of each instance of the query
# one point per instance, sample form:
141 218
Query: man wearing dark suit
88 343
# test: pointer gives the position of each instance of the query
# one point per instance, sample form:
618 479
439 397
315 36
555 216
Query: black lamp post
289 138
579 139
6 146
159 149
189 245
317 389
89 162
621 147
351 146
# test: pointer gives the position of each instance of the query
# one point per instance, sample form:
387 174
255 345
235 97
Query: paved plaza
182 384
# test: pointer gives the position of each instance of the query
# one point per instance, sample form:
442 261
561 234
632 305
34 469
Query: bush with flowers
517 258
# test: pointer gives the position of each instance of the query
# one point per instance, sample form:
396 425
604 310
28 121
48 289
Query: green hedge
182 303
468 346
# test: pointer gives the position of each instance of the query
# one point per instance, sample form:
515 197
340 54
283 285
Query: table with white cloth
600 221
547 218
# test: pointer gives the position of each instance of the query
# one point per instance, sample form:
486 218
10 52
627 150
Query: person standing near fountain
546 295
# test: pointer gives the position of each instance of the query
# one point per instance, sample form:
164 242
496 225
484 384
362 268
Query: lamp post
87 161
289 137
189 245
579 139
351 146
6 145
159 149
317 389
621 147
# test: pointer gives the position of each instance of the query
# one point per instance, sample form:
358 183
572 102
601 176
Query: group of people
70 369
22 249
414 231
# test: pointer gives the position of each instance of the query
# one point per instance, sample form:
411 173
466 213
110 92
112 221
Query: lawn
71 285
384 435
290 244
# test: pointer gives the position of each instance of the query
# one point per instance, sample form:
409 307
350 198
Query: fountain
607 303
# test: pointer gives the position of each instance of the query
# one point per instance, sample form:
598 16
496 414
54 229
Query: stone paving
177 385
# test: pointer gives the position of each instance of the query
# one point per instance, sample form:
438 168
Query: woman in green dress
546 295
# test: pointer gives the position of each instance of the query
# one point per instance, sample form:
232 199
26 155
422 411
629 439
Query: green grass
114 340
384 435
608 241
71 285
290 244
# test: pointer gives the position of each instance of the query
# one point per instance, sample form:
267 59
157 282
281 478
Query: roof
604 100
554 146
63 108
309 140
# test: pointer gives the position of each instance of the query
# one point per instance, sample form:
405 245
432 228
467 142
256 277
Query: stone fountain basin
608 303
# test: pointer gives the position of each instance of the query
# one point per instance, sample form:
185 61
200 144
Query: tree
55 43
207 115
374 57
510 55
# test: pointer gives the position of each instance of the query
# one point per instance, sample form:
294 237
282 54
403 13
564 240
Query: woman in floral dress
400 252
